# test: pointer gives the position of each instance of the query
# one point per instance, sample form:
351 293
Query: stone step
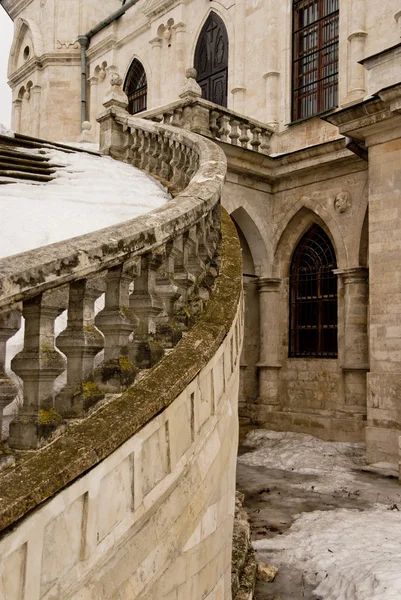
25 176
14 155
26 168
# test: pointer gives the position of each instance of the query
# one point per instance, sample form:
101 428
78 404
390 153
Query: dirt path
273 498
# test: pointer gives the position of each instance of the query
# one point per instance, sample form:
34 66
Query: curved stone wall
154 518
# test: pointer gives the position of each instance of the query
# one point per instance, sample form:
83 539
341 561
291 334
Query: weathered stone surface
266 572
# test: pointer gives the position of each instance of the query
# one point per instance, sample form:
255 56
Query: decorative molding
74 44
152 8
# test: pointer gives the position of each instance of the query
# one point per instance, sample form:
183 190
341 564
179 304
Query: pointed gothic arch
27 32
136 87
211 60
313 297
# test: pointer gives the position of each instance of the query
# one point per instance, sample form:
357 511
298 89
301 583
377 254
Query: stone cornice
104 45
37 64
380 57
153 8
14 7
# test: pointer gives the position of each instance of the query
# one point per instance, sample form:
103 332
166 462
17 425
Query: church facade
318 212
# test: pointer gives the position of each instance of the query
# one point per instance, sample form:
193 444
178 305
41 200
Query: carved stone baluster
224 130
167 331
153 153
38 365
234 133
135 147
265 142
176 163
9 325
184 280
165 158
144 302
167 117
244 137
116 321
81 341
145 151
214 128
177 117
255 141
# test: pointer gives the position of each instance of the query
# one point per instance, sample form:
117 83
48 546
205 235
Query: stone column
356 39
239 89
397 17
16 116
269 366
156 45
93 99
272 73
356 343
180 31
36 91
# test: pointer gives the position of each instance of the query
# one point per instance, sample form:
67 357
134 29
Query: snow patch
6 131
346 554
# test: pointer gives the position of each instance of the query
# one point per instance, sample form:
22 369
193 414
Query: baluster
224 130
176 163
81 341
146 305
167 117
177 117
116 321
244 137
145 151
153 153
184 280
38 365
214 128
165 158
9 325
255 141
234 133
167 330
135 147
265 142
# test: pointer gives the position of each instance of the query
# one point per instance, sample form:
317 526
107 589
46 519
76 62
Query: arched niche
211 60
254 240
136 87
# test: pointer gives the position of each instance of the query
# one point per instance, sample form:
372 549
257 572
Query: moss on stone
49 417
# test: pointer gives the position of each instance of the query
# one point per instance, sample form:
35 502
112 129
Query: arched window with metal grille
313 297
136 87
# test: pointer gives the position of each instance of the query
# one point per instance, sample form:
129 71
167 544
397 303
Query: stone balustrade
153 275
216 122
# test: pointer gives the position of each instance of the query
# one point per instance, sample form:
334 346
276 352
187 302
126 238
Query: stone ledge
89 442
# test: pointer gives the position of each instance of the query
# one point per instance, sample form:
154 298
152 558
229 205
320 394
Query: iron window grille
313 297
315 57
136 88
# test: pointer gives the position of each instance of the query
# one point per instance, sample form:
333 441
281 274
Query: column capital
353 274
269 284
180 27
156 42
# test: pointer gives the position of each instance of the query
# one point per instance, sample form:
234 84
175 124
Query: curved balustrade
155 273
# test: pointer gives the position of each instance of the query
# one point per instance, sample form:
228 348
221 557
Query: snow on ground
347 554
344 553
89 193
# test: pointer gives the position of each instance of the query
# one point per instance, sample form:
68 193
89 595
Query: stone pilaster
156 45
16 115
356 38
269 365
239 89
36 92
356 343
272 73
180 35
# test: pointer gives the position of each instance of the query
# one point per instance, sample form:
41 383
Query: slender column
272 73
356 39
180 32
156 45
9 325
93 99
269 304
81 341
16 116
239 89
38 365
36 91
356 343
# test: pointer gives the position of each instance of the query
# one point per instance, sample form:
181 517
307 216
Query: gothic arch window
315 57
136 88
313 297
211 60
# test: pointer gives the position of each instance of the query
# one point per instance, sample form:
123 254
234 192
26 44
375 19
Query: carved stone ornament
342 202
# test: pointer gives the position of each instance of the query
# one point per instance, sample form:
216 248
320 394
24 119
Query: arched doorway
211 60
136 87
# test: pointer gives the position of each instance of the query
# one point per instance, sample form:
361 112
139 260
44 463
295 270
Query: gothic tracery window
136 88
313 297
211 60
315 57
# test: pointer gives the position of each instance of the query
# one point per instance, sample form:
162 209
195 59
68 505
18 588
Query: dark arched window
211 60
136 88
315 57
313 297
